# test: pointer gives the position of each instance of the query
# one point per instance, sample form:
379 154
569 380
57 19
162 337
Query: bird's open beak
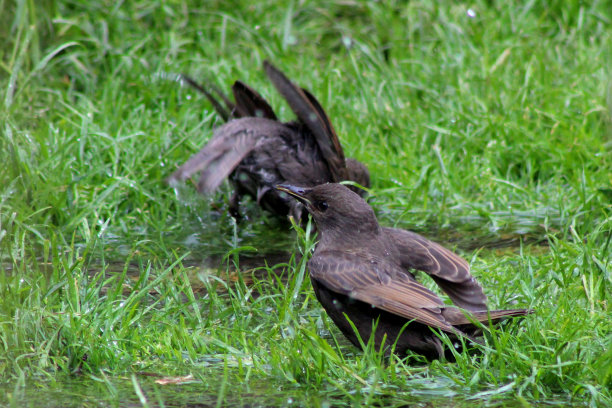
297 192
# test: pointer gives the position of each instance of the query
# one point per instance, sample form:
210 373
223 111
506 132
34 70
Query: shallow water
145 389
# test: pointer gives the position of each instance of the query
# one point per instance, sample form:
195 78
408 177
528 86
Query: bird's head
337 211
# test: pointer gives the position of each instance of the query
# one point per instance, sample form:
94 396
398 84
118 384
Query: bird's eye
321 206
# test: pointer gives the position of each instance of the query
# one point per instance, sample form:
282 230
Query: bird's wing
372 282
230 144
224 111
458 317
250 103
309 111
448 270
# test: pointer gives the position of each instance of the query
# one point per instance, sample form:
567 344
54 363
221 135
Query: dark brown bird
362 271
258 152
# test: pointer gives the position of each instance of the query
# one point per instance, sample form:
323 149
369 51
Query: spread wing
309 112
373 282
448 270
230 144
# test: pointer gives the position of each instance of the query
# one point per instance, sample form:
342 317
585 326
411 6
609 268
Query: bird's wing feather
213 175
458 317
250 103
230 144
223 111
332 135
449 271
310 112
373 283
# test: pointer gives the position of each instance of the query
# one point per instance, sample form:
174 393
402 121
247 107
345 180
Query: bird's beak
297 192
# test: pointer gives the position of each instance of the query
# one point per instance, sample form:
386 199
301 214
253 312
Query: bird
363 272
257 151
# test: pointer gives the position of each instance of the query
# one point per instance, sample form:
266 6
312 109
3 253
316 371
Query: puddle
141 390
208 389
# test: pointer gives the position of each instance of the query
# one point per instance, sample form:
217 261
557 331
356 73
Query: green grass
480 132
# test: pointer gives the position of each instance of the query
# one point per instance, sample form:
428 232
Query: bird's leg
234 205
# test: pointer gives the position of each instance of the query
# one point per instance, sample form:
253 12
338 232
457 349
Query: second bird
362 272
257 152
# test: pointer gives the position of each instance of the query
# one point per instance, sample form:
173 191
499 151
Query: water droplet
471 13
347 41
291 40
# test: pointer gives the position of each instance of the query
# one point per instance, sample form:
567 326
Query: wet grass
485 127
